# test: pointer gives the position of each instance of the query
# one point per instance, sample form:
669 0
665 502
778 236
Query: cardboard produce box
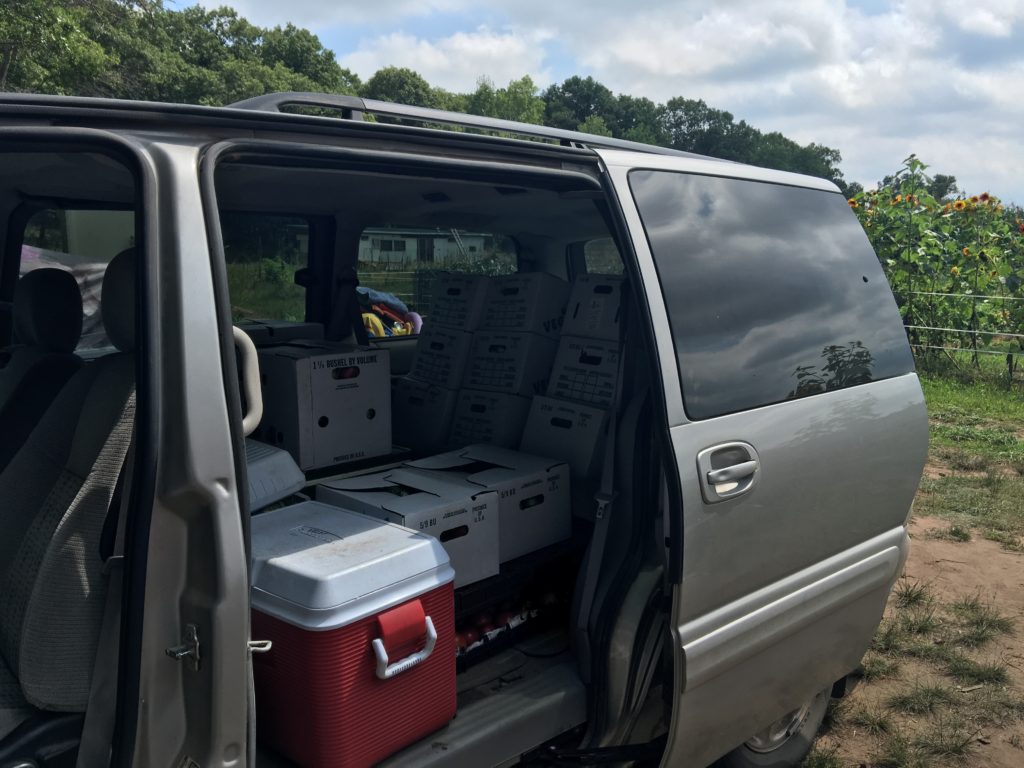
534 510
489 417
594 307
572 432
462 516
512 362
326 403
422 413
441 356
458 301
585 371
528 301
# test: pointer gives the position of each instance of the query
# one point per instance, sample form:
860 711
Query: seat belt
604 506
346 317
98 730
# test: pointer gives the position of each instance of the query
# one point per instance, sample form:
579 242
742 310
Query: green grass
909 594
975 430
878 667
819 757
922 699
947 737
970 672
874 721
979 622
971 403
896 751
958 533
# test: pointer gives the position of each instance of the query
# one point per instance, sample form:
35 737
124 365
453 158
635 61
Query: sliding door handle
733 473
727 470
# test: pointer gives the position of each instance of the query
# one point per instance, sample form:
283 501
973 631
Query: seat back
56 492
47 316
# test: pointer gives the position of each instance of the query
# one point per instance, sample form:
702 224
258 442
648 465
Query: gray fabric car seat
54 498
47 316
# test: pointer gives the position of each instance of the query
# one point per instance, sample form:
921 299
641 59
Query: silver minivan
736 525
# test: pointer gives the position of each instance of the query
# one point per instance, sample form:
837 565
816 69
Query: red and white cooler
361 616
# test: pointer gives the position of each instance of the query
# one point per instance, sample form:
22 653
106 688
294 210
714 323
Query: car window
601 257
399 267
263 252
773 292
81 242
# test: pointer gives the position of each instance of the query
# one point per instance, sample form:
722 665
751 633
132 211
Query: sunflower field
956 267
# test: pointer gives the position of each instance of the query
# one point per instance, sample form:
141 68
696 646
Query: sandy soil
953 570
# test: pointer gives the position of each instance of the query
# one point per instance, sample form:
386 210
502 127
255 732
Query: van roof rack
355 108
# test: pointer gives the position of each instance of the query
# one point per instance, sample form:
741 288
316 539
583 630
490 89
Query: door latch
189 649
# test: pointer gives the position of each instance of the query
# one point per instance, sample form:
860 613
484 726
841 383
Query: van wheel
786 742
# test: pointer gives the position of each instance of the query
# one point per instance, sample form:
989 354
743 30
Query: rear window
398 268
773 292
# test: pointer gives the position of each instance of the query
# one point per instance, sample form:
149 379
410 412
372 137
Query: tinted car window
773 292
263 252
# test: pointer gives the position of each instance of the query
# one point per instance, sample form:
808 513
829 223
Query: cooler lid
321 567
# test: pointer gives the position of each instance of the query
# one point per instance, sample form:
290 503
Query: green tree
577 98
400 85
45 46
638 120
693 126
518 101
595 125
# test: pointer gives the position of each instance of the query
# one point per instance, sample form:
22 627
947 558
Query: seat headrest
48 310
117 300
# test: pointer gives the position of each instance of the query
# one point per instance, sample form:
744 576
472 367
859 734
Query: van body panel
784 586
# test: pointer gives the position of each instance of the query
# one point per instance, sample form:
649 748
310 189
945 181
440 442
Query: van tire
789 753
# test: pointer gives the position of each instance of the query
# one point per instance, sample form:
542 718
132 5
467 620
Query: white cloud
876 79
457 61
320 14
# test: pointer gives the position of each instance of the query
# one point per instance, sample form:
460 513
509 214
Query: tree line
139 49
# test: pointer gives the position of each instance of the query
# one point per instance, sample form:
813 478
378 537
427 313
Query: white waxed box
463 516
326 403
533 493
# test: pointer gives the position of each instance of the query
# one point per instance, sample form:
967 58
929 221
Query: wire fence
990 341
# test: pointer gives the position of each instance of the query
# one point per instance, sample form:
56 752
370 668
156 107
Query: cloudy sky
876 79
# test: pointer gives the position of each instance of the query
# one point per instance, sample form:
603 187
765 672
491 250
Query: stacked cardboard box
325 402
424 402
571 420
511 358
533 493
463 516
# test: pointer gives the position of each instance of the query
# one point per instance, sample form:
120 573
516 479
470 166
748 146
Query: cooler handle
386 671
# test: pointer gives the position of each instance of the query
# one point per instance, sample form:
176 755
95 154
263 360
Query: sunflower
974 199
966 251
853 203
959 205
955 271
897 200
984 197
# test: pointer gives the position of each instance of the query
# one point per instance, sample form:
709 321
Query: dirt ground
951 570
